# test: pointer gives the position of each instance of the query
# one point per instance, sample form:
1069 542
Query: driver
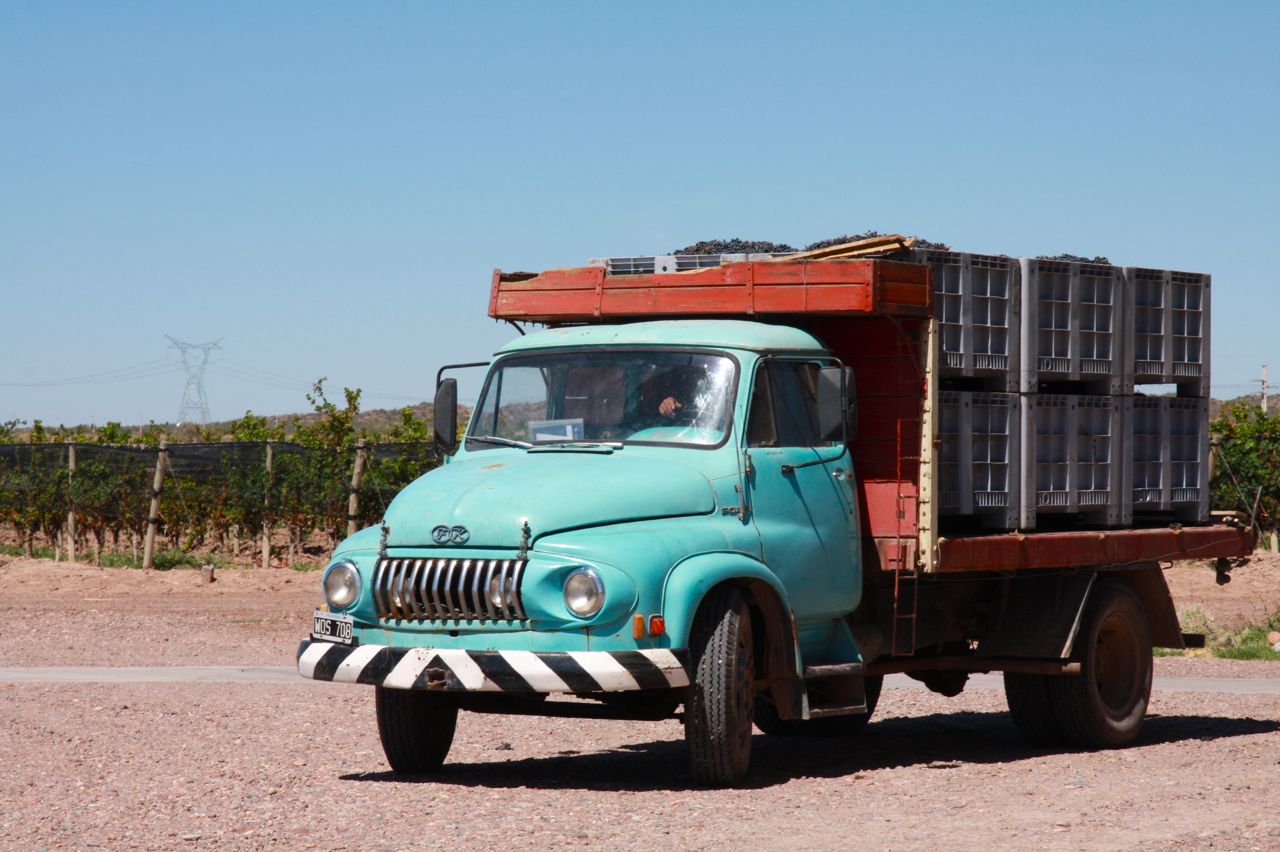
678 389
669 406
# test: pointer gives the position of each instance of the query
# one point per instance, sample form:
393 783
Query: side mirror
837 415
445 410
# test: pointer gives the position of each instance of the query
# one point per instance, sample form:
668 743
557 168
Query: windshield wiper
615 445
494 439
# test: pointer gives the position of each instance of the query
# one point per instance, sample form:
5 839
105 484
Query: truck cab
619 495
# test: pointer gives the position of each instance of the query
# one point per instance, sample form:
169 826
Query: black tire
718 709
1032 708
416 728
1103 706
831 726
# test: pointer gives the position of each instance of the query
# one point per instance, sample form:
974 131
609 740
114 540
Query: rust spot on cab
494 466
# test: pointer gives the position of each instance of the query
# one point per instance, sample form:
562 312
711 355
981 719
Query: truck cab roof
726 334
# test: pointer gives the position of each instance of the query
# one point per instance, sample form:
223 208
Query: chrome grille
448 589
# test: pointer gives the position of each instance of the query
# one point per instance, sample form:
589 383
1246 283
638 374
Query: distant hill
376 421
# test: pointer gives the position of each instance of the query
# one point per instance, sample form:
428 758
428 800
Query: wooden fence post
266 514
71 509
353 498
153 516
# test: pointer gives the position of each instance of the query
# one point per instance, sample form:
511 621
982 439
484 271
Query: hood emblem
445 534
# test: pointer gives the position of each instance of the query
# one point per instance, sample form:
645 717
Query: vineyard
295 488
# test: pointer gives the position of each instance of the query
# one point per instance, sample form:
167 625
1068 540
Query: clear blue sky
328 186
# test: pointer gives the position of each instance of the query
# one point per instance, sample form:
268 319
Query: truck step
844 710
837 689
835 670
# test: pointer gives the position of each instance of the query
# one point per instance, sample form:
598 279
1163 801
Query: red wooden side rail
1015 551
825 287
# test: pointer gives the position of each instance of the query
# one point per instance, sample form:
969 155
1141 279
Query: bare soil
252 766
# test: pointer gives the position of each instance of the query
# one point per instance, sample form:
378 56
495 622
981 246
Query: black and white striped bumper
454 669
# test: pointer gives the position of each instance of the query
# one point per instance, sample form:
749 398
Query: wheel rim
1117 665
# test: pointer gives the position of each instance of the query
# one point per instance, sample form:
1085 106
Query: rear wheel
1103 707
1032 708
416 728
718 709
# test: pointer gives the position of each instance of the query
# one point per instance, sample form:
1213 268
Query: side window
794 388
760 429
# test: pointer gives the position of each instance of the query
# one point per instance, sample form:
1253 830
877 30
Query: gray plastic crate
656 264
976 303
1167 328
1168 439
1071 314
1071 451
979 457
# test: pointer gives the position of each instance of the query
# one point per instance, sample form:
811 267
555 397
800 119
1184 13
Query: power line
144 370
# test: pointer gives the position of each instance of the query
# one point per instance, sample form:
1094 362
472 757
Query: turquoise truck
725 494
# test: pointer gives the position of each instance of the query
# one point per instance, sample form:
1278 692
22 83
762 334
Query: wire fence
221 497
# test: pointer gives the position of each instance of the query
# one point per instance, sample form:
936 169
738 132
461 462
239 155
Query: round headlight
341 585
583 592
495 592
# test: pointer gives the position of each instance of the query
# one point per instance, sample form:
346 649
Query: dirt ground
298 765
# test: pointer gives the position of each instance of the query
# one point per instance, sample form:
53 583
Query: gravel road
246 764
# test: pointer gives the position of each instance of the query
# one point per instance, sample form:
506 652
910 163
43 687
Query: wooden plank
881 243
1021 551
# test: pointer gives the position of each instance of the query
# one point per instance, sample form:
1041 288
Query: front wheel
1103 706
416 728
717 718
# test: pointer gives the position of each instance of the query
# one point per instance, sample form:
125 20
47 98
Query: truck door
801 509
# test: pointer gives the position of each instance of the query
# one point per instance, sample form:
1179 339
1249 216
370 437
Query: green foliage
1250 642
1243 643
1249 448
334 428
254 428
40 551
215 493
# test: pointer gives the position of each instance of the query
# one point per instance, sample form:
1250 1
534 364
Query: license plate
334 628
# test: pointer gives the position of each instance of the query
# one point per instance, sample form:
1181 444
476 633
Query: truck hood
494 493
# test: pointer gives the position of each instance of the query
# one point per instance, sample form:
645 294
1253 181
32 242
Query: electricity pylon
195 357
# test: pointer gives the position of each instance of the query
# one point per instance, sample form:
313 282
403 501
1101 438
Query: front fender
777 646
688 582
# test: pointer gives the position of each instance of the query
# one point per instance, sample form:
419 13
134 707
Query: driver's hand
669 407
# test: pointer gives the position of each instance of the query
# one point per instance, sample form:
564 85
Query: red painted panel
880 508
839 287
675 300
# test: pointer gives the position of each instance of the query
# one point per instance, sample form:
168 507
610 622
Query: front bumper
457 670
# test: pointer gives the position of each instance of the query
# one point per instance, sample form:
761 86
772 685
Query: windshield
605 396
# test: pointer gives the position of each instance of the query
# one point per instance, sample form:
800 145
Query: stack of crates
1168 324
1043 418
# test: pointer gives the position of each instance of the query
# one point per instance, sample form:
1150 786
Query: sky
326 188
